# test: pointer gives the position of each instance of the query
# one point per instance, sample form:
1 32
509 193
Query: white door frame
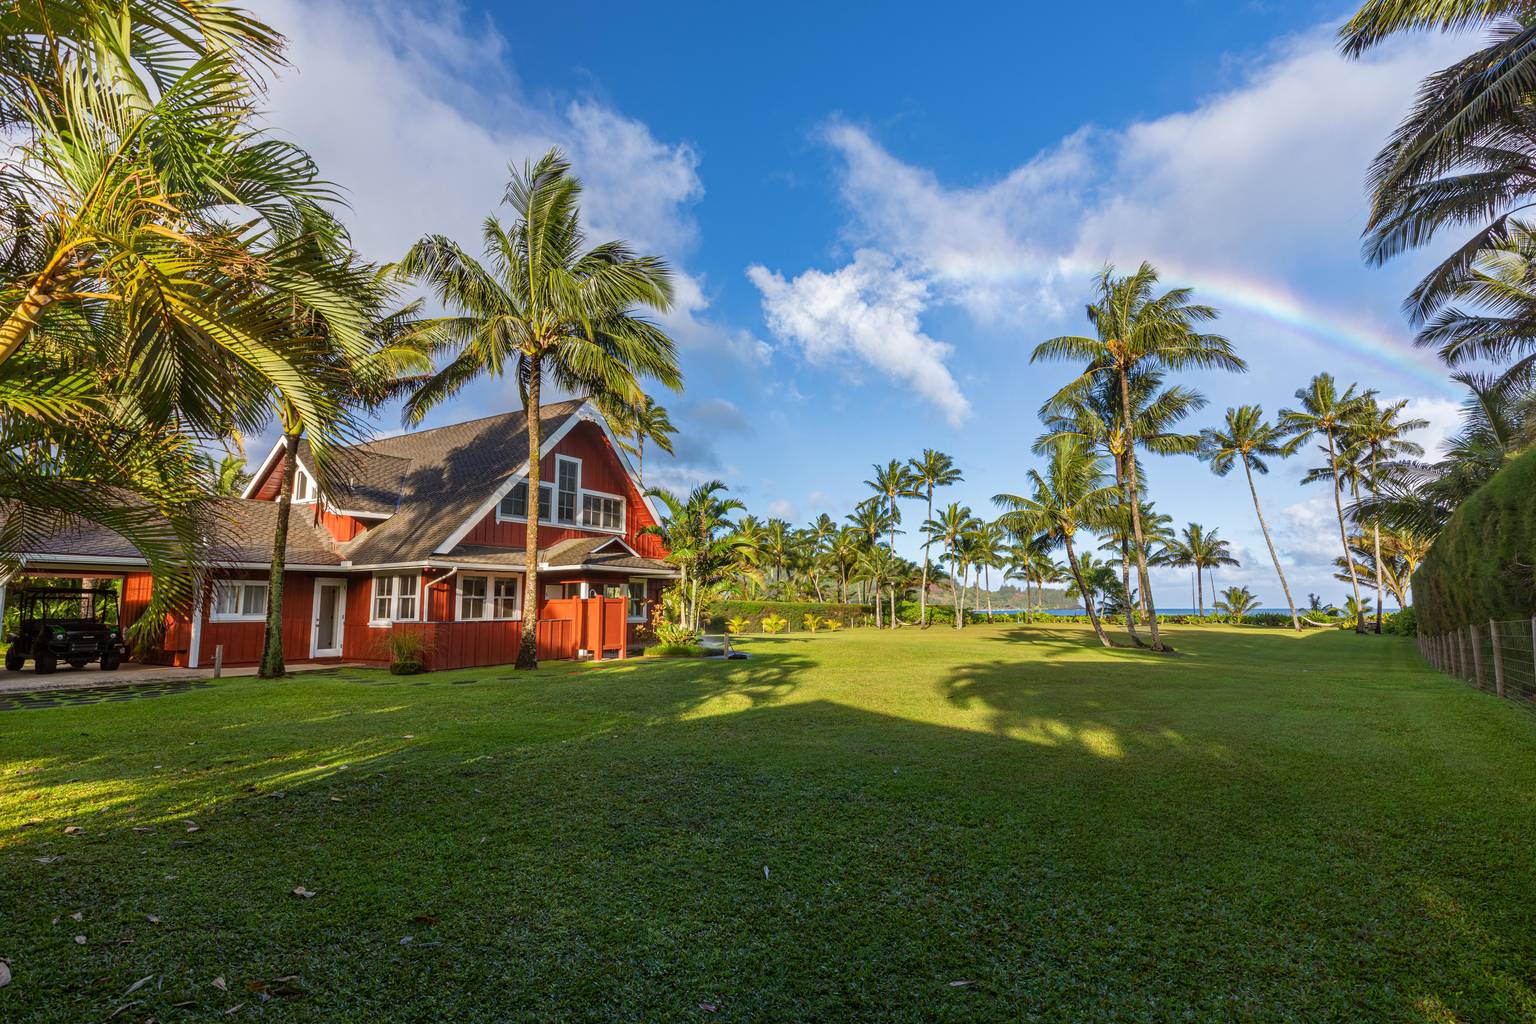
341 618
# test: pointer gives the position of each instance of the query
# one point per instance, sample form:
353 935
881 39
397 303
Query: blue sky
876 213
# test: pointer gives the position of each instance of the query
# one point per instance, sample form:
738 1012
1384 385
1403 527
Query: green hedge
1483 564
794 612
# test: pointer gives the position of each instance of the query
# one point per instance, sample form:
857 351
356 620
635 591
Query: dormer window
565 502
304 489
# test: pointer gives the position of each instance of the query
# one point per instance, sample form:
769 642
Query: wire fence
1499 657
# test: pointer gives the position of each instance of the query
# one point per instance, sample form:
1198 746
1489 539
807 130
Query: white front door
330 617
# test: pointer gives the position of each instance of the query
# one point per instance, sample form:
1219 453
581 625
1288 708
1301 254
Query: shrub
737 624
811 622
1403 623
831 625
791 611
406 647
677 651
670 634
773 623
1479 568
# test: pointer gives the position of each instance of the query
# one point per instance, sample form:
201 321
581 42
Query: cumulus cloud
1444 418
416 110
867 312
1193 191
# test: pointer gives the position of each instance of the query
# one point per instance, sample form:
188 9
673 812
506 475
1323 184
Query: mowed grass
1001 824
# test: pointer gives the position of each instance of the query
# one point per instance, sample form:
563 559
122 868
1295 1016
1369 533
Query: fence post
1477 656
1498 658
1462 653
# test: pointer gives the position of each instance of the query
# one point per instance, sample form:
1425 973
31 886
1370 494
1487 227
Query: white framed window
504 597
395 597
472 597
487 597
567 488
602 511
304 489
515 505
637 600
239 601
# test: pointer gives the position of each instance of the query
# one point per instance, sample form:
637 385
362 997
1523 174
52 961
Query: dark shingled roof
360 480
240 530
453 470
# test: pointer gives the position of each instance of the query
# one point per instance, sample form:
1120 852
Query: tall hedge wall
793 612
1483 566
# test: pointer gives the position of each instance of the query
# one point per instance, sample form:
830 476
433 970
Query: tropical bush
737 624
791 611
773 623
831 625
811 622
1403 623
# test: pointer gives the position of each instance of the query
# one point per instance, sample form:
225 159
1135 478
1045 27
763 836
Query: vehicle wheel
110 662
78 662
14 659
45 663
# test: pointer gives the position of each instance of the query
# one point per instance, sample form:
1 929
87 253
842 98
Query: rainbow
1323 330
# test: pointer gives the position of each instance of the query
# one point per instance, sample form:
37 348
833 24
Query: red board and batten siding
601 470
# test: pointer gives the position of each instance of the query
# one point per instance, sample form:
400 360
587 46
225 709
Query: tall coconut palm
636 424
1327 412
1071 495
1201 550
1248 439
819 535
951 528
892 482
1094 415
932 470
544 307
1137 330
701 540
1380 432
1463 157
989 551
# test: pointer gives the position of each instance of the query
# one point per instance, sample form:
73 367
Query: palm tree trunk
1135 499
272 666
1338 507
1082 588
1200 589
1376 535
954 588
1125 557
1264 529
640 457
528 647
923 597
989 593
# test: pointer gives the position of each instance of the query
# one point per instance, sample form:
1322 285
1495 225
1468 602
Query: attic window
515 504
304 488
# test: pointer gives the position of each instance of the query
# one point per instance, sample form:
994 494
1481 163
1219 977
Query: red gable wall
601 470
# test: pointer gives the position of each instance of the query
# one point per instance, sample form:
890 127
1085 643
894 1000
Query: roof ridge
543 409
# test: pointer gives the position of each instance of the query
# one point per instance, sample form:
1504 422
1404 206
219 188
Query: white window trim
501 517
490 596
645 602
214 615
554 503
394 599
313 495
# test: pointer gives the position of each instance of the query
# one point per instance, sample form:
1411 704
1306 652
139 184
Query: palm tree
1393 571
1379 431
1327 413
1029 561
893 481
1071 495
989 551
1248 439
1236 602
951 528
635 424
932 470
1097 584
778 548
1201 550
700 539
1094 415
1136 330
546 306
1463 155
818 536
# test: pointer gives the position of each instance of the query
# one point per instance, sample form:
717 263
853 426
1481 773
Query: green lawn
1005 824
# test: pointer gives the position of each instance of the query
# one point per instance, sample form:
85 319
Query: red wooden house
421 532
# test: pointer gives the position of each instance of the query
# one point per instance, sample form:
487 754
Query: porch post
197 623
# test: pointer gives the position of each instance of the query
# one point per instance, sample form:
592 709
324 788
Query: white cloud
1444 416
868 311
782 509
417 112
